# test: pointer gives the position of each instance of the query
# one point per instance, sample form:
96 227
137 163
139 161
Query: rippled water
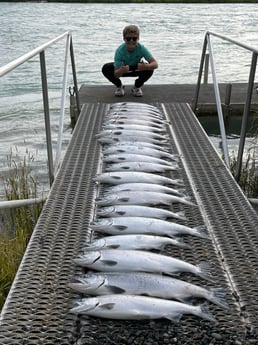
174 33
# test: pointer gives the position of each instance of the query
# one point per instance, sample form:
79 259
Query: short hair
131 30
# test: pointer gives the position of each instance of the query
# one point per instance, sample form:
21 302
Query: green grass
18 223
249 172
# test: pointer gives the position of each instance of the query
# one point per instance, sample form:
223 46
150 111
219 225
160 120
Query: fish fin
115 289
181 215
120 227
123 199
202 231
218 297
181 243
109 262
205 313
116 177
107 306
204 271
113 246
121 213
174 317
186 300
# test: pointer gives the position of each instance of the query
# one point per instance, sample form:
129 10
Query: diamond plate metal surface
37 309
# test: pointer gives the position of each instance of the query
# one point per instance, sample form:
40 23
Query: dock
37 308
176 93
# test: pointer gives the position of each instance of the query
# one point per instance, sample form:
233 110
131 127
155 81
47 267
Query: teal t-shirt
122 55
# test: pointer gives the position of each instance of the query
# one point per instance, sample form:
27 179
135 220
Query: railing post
75 77
219 107
62 109
206 69
197 90
47 117
245 116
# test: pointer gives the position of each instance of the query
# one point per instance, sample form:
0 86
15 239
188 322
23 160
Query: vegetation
249 172
17 223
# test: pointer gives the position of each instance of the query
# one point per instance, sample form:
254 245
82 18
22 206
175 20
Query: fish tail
204 271
217 296
182 244
205 313
180 215
202 231
187 201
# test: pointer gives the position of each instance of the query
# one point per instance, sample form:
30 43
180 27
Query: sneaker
120 91
137 92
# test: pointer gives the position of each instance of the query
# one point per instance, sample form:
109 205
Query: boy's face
131 41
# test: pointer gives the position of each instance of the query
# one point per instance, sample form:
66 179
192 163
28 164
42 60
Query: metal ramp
37 309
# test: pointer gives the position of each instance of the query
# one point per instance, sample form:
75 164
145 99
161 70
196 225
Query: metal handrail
52 167
207 43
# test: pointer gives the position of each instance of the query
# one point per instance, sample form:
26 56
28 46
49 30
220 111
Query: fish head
95 245
87 258
101 223
107 199
85 305
105 211
87 283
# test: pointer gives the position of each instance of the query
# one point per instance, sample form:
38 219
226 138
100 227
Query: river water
174 34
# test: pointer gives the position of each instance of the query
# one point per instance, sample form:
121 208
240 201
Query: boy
132 59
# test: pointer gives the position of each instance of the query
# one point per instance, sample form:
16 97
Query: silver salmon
139 198
137 127
138 211
134 242
140 150
112 139
148 284
144 225
130 133
130 176
132 157
141 166
117 260
149 187
132 307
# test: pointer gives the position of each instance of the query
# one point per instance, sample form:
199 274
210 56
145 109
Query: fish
150 187
135 112
148 284
132 118
130 133
142 127
132 307
132 114
126 260
137 143
137 197
141 166
138 211
132 157
144 225
130 177
132 121
140 150
134 242
134 105
130 138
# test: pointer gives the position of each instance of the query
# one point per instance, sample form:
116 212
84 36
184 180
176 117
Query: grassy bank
17 223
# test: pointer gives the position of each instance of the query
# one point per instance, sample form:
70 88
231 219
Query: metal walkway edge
37 308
